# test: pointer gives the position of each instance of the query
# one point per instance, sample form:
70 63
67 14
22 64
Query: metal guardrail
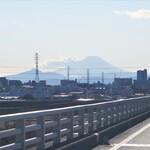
41 129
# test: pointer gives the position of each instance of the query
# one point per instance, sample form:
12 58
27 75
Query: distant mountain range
51 77
78 70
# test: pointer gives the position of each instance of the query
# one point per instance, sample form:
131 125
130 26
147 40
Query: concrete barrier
92 123
102 137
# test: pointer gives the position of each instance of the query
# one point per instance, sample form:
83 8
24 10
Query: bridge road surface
135 138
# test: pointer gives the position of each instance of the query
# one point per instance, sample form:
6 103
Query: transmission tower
68 72
88 76
103 78
36 70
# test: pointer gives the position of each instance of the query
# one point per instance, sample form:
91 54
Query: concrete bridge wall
52 128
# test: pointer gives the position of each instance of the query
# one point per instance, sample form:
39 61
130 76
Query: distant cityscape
72 89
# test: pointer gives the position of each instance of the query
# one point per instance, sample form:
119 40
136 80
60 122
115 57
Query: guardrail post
90 111
105 116
41 132
81 122
102 117
124 111
148 104
115 114
145 104
110 115
134 108
98 110
70 125
120 112
57 129
129 110
20 138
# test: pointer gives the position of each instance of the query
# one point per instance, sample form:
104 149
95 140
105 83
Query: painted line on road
125 141
132 145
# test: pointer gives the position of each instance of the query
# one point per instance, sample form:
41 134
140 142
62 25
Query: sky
118 31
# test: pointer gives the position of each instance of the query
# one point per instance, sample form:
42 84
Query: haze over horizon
116 31
56 70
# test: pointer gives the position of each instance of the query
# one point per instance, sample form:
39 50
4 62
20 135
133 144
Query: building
142 75
68 85
122 87
122 82
141 82
16 83
3 82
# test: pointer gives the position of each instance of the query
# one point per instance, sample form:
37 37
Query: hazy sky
116 30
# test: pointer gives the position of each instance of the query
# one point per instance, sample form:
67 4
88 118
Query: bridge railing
45 128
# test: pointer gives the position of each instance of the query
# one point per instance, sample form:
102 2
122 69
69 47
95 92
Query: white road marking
117 146
132 145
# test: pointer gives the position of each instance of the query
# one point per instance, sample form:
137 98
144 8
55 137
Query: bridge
72 127
135 138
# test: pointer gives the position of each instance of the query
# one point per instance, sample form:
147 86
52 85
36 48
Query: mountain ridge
78 70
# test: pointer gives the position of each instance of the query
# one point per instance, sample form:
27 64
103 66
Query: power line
118 68
72 73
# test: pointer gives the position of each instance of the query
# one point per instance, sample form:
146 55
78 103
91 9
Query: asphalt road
135 138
